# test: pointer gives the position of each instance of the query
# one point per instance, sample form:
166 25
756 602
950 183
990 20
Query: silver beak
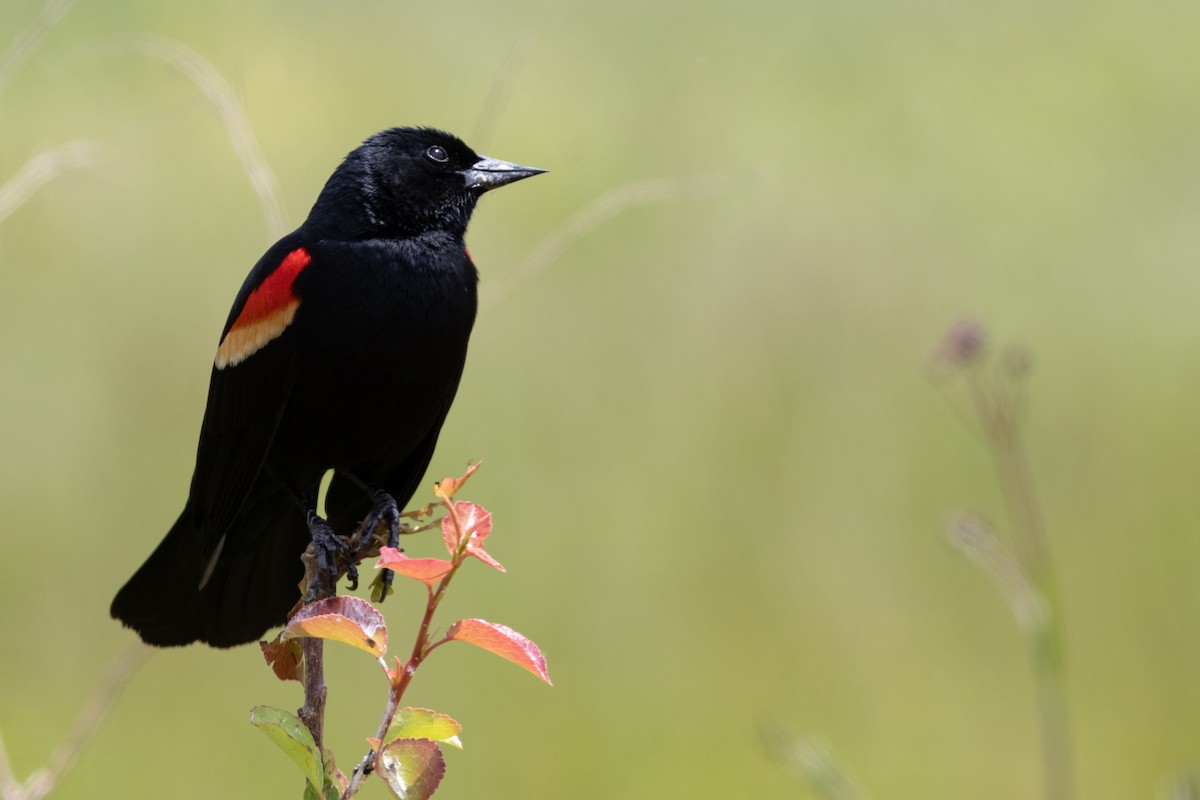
489 173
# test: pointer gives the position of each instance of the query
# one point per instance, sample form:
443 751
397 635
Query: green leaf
286 730
331 793
424 723
412 768
380 591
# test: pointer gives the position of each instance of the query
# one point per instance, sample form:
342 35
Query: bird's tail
251 582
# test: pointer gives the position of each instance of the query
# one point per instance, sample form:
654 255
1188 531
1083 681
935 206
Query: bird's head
405 181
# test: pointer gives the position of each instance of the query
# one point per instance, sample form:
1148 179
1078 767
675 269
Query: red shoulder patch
268 311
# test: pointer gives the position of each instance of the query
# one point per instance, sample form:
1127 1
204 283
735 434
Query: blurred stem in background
995 408
43 167
810 760
27 43
42 782
224 101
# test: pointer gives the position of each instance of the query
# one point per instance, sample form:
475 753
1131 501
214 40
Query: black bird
343 351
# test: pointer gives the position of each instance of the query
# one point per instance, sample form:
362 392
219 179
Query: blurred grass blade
224 100
590 217
974 540
809 761
498 96
40 170
25 45
1185 786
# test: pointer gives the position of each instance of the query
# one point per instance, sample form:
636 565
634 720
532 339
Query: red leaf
412 768
346 619
474 523
285 658
503 641
426 570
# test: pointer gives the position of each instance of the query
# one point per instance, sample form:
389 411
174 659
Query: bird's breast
383 334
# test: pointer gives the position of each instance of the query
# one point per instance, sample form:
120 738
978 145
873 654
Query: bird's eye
437 153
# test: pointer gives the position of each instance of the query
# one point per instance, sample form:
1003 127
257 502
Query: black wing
257 365
189 588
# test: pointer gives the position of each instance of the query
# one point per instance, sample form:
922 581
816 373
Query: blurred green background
719 472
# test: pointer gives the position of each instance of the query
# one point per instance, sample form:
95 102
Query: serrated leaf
472 522
285 658
503 641
290 735
424 723
412 768
426 570
346 619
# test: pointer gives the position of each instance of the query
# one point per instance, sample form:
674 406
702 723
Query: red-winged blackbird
343 351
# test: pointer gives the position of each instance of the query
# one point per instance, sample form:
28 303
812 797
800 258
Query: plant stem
1044 631
312 714
421 649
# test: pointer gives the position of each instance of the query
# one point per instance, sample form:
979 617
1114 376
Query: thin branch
421 646
25 45
589 218
41 169
224 100
312 714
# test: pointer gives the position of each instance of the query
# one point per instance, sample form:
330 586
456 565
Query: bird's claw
384 511
327 545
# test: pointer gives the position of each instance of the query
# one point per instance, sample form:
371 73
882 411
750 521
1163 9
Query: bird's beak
488 173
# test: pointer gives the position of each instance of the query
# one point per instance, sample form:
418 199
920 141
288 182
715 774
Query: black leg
327 545
384 511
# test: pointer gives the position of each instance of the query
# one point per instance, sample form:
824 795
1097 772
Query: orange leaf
446 488
426 570
346 619
503 641
284 657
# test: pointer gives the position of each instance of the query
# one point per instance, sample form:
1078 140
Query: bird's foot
383 512
327 546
